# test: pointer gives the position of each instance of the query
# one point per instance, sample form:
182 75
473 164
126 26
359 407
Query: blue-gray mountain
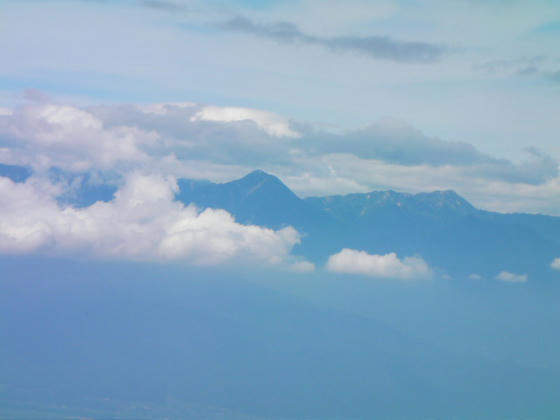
441 226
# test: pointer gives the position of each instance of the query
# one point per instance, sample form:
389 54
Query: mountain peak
258 174
447 199
257 179
257 198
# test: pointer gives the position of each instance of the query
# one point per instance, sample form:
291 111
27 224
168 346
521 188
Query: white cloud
303 267
475 276
272 124
555 264
512 277
218 135
142 222
386 266
48 135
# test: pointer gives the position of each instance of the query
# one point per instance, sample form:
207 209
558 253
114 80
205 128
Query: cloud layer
220 143
384 266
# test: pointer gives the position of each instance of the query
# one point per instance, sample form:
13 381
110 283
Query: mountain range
440 226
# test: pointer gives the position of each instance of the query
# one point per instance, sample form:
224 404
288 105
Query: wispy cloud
379 47
512 277
166 6
554 77
540 66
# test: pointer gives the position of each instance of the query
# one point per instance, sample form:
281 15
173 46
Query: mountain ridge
441 226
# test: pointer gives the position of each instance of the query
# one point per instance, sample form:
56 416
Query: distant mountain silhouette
356 206
441 226
258 198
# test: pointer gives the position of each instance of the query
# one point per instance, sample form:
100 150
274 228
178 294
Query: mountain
441 226
258 198
438 204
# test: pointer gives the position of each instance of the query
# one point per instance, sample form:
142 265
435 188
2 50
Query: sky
332 97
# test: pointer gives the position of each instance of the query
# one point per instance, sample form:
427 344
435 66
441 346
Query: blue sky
409 95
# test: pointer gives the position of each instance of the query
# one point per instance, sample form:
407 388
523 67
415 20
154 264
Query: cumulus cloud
555 264
512 277
142 222
386 266
124 137
379 47
271 123
48 135
221 135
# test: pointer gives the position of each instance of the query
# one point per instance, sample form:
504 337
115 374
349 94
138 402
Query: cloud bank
49 135
221 143
142 222
389 266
